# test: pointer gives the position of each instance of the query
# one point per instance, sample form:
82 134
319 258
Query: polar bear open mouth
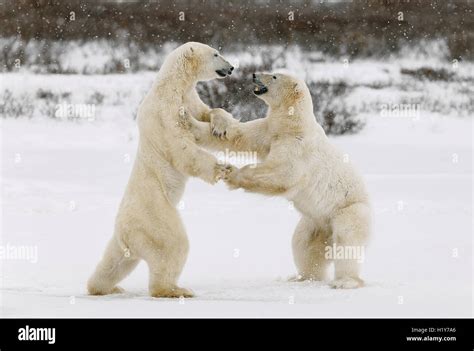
222 73
259 89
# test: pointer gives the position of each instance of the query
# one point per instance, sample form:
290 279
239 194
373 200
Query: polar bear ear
191 60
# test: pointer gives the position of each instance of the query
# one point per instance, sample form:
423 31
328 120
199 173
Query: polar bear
148 225
299 163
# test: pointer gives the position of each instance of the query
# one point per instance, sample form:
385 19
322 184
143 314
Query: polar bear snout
218 66
260 87
224 72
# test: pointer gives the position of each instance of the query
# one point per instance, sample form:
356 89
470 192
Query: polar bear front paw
221 171
347 283
221 120
233 179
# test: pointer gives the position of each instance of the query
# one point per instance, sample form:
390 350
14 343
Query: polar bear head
200 61
278 89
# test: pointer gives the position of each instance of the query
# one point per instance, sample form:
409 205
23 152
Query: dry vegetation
357 28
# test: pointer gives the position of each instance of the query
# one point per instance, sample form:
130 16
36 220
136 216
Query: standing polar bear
300 164
148 225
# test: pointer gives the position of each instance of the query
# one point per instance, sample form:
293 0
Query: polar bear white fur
299 163
148 225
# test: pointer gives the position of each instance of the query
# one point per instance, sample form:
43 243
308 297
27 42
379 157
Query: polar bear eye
274 77
216 54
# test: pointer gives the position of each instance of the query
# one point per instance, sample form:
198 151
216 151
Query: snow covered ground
62 182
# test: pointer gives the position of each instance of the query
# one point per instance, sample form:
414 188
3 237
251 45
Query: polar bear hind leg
350 227
165 254
309 243
114 266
